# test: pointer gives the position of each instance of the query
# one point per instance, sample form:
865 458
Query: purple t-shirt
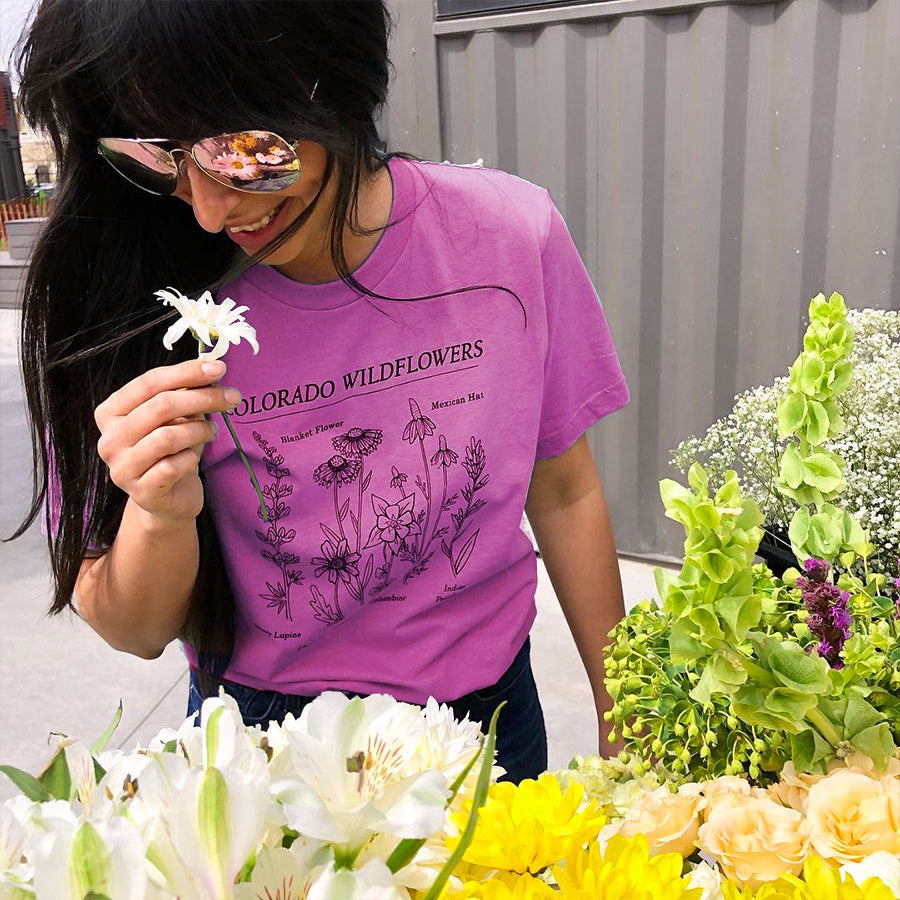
395 442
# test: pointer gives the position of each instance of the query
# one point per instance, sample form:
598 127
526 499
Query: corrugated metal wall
717 166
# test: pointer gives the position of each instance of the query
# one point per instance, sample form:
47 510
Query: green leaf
707 622
698 479
683 646
860 715
812 368
56 777
877 743
809 748
791 413
27 784
817 423
789 703
823 472
798 670
716 566
824 536
798 531
480 795
100 744
740 614
791 469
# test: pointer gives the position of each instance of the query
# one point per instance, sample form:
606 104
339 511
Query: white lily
208 321
101 857
881 865
350 778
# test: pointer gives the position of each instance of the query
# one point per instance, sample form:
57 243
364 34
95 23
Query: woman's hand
152 433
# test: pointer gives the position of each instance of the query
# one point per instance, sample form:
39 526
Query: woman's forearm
567 511
136 596
577 547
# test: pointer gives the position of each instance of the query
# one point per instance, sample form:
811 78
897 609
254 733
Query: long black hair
184 70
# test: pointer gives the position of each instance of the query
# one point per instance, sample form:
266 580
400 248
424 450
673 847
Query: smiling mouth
261 223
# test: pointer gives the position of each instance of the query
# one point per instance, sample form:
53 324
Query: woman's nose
212 202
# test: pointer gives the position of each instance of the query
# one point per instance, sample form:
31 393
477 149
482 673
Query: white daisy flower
208 322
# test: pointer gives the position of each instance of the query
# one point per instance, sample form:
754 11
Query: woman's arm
152 432
567 510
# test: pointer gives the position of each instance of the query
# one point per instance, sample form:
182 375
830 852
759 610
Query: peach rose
852 816
669 821
793 789
727 789
755 841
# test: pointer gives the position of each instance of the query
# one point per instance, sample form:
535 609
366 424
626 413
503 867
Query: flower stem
428 496
247 466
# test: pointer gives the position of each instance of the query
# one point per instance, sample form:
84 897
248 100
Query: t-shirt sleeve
583 380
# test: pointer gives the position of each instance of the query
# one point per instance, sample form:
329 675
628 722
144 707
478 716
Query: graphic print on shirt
418 518
275 538
404 533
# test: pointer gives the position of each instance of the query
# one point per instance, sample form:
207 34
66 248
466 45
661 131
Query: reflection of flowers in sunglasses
235 165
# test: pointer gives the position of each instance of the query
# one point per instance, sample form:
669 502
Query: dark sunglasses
256 162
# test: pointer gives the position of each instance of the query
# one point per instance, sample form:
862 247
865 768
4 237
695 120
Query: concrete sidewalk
58 675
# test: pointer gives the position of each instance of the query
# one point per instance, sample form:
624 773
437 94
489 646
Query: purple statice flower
829 618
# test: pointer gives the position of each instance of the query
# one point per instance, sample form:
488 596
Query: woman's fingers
191 374
166 441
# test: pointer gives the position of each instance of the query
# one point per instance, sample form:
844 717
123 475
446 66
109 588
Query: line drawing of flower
397 479
395 524
473 463
358 443
339 564
336 471
337 561
444 457
417 429
279 592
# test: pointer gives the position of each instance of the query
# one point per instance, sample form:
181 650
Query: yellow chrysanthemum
519 887
525 828
626 871
773 890
822 882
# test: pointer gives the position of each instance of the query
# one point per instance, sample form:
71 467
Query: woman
431 352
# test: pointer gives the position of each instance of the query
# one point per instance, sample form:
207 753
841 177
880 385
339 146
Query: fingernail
213 367
233 396
215 428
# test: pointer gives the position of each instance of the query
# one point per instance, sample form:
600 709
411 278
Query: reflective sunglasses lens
256 161
146 165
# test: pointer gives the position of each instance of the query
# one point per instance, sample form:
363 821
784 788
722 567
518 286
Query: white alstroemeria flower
709 879
209 829
100 857
882 865
373 881
349 777
14 874
208 321
285 874
80 763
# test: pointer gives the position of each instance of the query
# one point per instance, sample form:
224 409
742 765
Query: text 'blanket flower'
208 322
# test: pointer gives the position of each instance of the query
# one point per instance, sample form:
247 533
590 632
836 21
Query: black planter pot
775 550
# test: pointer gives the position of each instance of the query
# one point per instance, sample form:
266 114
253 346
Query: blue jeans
521 735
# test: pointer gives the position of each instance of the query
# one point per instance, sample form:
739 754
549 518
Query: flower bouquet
747 440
